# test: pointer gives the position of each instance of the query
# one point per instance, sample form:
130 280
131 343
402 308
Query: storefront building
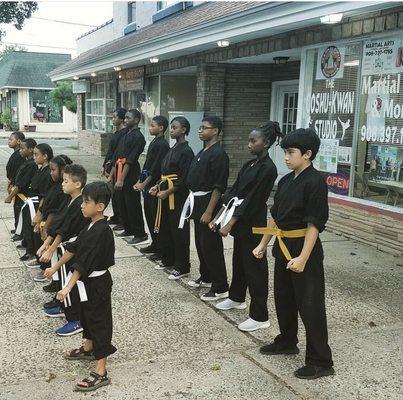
345 80
25 92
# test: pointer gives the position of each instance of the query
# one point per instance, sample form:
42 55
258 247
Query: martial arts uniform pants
210 251
96 315
131 211
302 293
174 242
252 273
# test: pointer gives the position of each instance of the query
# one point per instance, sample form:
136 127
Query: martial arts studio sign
131 80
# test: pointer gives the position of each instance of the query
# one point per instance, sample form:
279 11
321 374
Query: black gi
68 222
94 250
209 171
297 202
130 147
107 165
157 150
175 242
254 183
22 180
40 185
13 164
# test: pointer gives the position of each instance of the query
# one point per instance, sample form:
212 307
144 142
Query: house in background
25 91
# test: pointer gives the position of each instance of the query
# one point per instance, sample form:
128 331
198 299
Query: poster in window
326 159
330 63
383 56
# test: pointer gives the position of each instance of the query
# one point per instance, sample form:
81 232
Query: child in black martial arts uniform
54 200
172 192
19 191
245 207
299 212
66 224
125 174
118 119
207 181
151 173
93 253
13 163
40 185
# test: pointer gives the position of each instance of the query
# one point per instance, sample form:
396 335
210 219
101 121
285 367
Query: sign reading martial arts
131 80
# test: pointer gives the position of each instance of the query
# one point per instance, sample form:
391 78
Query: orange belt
120 163
280 234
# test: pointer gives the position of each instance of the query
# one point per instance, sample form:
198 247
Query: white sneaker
251 325
229 304
159 266
197 283
175 275
211 296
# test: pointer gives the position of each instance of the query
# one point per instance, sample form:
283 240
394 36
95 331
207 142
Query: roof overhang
267 19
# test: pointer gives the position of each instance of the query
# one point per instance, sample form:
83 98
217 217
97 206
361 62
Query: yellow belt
169 179
280 234
42 225
22 197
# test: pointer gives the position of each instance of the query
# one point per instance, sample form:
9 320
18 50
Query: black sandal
94 381
79 354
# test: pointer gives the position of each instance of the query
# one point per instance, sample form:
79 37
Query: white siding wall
144 13
68 125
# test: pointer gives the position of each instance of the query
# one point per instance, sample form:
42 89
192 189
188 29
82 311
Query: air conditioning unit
132 27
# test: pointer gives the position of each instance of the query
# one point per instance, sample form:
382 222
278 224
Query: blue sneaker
69 329
54 312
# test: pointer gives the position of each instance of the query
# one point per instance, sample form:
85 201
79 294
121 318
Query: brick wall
247 104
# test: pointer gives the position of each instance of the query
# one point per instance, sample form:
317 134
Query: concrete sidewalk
171 345
42 135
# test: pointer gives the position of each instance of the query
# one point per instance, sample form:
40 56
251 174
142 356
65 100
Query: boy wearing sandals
93 252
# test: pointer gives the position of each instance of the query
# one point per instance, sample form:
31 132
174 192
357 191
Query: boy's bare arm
62 294
66 257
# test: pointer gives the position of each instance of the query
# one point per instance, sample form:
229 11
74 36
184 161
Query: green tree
63 95
10 49
16 12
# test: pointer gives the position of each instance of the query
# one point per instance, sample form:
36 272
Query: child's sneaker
70 328
52 304
33 264
197 283
212 296
40 277
54 312
175 275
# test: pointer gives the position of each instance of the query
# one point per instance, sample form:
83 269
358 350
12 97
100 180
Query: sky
58 35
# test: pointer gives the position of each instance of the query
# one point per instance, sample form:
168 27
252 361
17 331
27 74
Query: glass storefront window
100 106
353 98
330 98
42 108
380 127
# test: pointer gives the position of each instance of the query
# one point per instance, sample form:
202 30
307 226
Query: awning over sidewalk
199 28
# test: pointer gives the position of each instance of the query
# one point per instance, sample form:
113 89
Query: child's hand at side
259 251
46 256
297 264
49 272
62 294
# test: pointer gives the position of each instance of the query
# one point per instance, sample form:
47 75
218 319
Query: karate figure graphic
344 126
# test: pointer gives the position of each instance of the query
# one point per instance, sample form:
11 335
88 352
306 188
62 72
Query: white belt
30 201
229 210
63 272
80 284
189 204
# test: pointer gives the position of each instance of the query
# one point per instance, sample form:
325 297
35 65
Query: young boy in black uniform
245 206
125 173
172 192
118 121
39 186
66 225
93 253
150 175
22 181
299 212
207 181
13 163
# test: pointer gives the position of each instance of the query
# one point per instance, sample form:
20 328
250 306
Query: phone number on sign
389 134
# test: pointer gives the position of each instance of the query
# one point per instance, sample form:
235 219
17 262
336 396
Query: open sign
338 183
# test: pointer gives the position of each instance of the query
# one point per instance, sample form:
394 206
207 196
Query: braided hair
271 132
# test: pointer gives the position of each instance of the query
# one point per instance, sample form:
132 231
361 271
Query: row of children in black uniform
64 233
178 186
